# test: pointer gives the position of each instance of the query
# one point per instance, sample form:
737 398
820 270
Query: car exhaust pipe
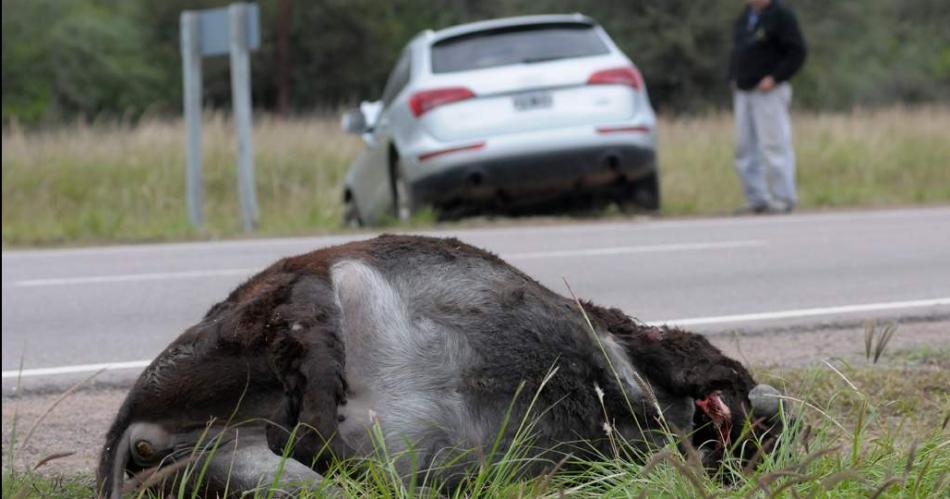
612 162
475 179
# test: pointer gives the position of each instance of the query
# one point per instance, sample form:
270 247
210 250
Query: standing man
768 51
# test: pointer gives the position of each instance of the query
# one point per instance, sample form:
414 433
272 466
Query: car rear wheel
641 195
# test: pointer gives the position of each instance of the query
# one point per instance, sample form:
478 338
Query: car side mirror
354 122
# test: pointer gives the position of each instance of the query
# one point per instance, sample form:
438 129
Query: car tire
403 204
351 213
642 194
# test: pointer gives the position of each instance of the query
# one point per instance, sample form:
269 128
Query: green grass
865 430
105 183
31 484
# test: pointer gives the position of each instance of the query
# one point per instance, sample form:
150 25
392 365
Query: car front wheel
403 204
351 213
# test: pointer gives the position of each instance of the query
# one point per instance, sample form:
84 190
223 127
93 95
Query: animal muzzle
724 417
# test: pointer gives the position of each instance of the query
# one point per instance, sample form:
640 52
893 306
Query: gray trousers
765 159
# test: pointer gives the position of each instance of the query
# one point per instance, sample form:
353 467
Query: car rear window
516 45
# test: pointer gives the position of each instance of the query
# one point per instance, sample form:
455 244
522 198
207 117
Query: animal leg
309 360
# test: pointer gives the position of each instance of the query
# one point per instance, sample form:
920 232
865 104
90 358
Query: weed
875 341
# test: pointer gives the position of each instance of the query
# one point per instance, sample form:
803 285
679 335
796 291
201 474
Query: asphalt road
65 312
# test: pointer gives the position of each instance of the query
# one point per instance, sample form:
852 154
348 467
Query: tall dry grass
84 183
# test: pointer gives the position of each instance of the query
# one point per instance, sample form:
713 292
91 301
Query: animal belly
399 369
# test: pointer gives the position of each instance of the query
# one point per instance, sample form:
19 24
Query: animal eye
144 449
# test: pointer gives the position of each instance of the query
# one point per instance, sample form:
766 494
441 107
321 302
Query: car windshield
516 45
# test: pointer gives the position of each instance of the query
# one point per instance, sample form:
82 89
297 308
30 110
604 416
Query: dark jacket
774 46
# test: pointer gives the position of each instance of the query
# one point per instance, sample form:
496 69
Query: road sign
231 30
215 27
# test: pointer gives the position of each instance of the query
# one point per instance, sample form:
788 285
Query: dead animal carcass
430 345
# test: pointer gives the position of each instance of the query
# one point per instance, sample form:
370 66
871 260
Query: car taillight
627 75
423 101
604 130
433 154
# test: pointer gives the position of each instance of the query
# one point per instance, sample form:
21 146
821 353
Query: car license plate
532 100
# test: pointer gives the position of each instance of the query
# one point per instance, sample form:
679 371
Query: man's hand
766 85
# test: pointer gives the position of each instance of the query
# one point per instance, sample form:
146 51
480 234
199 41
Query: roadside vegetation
864 430
117 182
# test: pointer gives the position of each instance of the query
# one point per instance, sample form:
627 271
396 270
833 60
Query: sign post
241 101
230 30
191 71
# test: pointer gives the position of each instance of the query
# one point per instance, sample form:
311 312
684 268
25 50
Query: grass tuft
875 341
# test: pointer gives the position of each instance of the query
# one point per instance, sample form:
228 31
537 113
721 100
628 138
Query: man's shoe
752 209
779 207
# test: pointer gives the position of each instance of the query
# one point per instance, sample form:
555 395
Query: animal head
729 413
212 383
185 401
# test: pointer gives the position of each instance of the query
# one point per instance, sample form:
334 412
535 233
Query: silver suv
503 114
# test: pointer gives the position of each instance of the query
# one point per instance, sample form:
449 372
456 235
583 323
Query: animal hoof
766 400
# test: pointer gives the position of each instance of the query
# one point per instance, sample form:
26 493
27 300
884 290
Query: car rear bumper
525 178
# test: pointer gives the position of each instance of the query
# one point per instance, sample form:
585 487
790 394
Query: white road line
82 368
808 312
783 314
627 250
196 274
158 276
183 247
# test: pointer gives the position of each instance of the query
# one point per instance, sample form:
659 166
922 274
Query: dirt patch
801 348
79 423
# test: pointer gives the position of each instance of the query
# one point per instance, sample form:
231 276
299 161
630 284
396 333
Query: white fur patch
397 366
625 369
